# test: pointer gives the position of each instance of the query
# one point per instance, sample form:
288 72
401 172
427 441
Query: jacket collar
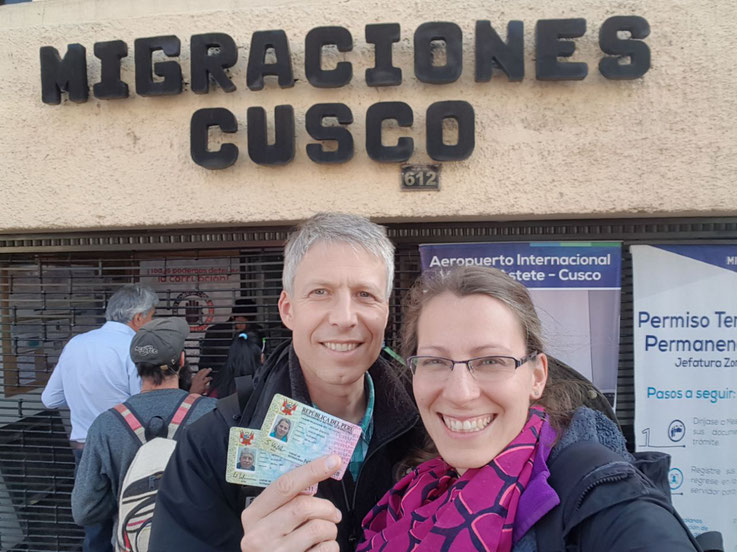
119 327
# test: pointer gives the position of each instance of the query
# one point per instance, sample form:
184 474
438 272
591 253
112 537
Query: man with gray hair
95 372
337 279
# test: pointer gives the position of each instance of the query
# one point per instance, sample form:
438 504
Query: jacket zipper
607 479
354 536
368 457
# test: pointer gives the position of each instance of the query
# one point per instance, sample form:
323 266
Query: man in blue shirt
95 372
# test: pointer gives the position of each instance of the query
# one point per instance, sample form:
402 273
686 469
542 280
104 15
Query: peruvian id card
300 433
249 465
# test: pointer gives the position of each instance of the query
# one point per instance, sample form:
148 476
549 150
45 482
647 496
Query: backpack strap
230 406
131 421
711 541
182 413
237 409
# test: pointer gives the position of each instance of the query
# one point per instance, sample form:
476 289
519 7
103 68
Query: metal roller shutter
54 286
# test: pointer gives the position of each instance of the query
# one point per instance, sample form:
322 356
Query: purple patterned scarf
432 509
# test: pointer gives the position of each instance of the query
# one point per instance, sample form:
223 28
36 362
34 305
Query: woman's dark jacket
615 508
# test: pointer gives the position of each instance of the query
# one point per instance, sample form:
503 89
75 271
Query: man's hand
201 381
281 519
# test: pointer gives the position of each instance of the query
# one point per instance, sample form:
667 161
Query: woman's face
282 428
470 422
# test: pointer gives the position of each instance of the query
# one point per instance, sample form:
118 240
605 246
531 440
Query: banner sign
685 341
200 290
575 288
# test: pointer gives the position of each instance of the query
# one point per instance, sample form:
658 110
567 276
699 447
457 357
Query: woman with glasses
480 377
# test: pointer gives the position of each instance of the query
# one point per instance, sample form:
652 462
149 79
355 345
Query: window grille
54 286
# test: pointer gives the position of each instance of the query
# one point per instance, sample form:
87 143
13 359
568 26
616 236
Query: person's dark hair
243 307
157 372
559 398
244 358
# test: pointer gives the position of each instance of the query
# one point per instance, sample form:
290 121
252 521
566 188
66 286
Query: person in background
245 357
473 342
157 350
95 372
218 337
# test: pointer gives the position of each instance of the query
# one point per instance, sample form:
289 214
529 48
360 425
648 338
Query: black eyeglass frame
517 361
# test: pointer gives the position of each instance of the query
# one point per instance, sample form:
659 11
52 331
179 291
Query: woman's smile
467 424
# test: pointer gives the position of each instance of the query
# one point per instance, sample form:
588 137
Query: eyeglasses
486 368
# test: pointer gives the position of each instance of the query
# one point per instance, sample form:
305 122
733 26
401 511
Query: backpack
571 472
141 482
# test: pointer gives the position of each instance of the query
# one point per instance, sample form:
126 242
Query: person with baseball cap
157 350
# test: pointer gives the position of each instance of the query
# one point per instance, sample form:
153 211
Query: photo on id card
249 465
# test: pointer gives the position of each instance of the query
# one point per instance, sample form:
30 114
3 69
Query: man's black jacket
197 510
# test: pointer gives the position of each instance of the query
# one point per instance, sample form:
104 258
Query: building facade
174 143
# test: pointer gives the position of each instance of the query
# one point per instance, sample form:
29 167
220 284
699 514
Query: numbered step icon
675 478
676 430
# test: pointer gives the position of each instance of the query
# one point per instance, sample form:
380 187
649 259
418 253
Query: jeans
97 537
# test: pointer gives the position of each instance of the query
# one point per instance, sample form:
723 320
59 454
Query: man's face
246 460
337 312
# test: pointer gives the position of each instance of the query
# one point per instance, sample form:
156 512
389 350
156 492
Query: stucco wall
665 144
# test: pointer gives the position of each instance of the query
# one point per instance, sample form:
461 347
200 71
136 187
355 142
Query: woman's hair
464 281
244 358
558 398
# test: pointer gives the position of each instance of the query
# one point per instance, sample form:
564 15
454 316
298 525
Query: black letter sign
69 75
261 41
550 48
259 150
463 113
202 120
170 70
638 51
451 34
314 41
313 123
377 114
206 64
383 73
492 52
110 86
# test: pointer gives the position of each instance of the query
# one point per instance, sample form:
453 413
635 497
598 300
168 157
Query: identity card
300 433
249 465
